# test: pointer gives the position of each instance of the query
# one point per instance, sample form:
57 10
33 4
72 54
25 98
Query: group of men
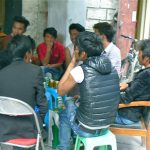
92 63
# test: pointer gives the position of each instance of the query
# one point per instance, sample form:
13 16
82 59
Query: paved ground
123 143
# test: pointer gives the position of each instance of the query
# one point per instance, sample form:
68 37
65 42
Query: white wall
61 13
36 12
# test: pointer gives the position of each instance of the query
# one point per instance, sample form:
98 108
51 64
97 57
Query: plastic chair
49 99
54 94
51 94
14 107
99 141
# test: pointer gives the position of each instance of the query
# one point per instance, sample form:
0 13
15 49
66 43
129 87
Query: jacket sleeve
135 89
40 95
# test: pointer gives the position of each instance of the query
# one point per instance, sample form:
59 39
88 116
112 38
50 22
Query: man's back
99 93
24 82
20 80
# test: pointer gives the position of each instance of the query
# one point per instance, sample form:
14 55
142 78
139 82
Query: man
105 31
19 27
51 53
23 81
99 91
138 89
74 30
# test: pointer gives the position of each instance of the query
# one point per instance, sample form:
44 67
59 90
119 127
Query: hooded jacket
99 93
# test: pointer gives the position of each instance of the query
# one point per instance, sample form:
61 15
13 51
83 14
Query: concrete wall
36 12
61 13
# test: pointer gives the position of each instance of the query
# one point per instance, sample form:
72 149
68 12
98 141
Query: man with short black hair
99 91
23 81
136 90
19 27
74 30
51 53
105 31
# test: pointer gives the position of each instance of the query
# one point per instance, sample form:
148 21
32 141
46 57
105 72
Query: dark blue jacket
139 89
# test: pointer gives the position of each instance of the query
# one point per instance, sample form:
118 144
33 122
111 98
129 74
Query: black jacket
24 82
139 89
99 93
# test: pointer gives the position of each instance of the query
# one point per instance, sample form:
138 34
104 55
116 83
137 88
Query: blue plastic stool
99 141
54 94
49 99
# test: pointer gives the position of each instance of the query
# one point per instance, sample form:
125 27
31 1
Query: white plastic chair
14 107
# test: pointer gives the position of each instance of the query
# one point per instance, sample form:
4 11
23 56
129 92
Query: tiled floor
123 143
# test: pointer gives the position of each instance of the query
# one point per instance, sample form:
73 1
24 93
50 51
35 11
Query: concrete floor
123 143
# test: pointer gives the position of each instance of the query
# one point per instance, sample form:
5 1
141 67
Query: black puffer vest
99 93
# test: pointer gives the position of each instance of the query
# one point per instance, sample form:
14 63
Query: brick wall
100 10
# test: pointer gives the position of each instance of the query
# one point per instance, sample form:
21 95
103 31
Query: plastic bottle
60 103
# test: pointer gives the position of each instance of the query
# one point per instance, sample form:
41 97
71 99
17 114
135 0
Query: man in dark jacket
138 89
99 91
23 81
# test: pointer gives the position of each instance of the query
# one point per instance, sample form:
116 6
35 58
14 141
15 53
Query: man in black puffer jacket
99 91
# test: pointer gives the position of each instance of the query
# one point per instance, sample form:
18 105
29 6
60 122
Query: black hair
144 46
106 29
77 27
19 45
32 42
22 20
90 43
52 31
5 58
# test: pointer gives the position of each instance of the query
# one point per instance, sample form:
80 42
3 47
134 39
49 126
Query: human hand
76 97
123 86
49 45
73 60
48 65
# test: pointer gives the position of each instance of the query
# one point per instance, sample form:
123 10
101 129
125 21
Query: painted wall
127 20
100 11
61 13
36 12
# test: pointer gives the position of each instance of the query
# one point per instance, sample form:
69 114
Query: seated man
51 53
74 30
23 81
19 27
106 32
138 89
99 91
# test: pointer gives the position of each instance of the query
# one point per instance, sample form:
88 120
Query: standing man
99 91
19 27
74 30
105 31
51 53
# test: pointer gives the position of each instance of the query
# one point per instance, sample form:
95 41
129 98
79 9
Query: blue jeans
67 122
56 73
123 121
